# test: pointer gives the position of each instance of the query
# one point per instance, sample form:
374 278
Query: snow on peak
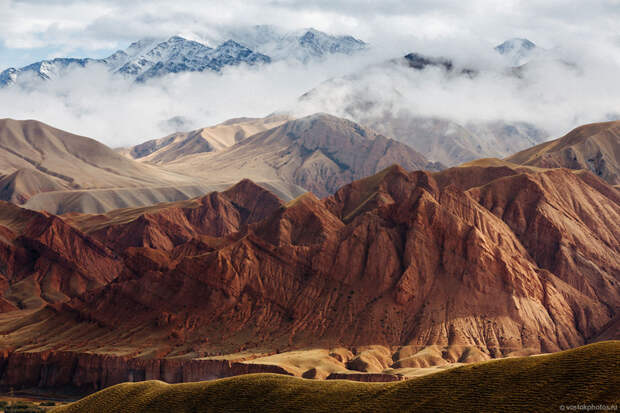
303 45
153 57
518 51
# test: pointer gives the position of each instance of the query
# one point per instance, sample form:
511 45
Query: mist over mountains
392 191
158 87
155 57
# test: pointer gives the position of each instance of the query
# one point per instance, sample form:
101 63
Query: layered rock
90 372
165 226
45 260
481 261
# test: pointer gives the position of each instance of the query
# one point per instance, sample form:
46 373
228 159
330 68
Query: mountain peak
516 50
155 56
515 43
177 38
230 43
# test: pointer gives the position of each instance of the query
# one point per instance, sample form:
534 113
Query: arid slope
594 147
319 153
209 139
400 270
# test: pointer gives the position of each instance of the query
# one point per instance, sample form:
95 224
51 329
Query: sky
36 29
119 113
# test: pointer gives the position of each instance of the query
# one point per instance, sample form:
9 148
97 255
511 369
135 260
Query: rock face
89 372
594 147
166 226
45 260
475 262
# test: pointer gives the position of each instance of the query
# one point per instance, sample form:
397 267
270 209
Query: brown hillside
594 147
319 153
213 138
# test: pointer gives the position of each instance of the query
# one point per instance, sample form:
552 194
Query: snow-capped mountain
303 45
147 58
153 57
45 69
517 51
8 77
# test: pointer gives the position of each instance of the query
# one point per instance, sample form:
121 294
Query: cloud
118 112
99 24
561 90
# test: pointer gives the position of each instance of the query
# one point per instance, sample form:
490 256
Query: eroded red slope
517 261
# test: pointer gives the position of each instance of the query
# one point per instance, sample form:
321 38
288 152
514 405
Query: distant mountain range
440 139
302 45
44 168
152 57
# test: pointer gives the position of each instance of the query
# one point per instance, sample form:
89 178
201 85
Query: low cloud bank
556 93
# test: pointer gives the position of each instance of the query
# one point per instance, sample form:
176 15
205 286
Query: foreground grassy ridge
586 375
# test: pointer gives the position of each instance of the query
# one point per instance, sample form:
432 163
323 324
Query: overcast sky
37 29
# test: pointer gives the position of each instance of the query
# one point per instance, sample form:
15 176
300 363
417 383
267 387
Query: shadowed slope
22 184
587 375
319 153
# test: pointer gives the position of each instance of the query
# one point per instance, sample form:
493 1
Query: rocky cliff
476 262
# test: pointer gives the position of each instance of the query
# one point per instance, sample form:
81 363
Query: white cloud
116 111
574 87
97 24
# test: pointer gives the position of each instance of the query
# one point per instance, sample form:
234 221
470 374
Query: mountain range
392 275
440 139
151 57
44 168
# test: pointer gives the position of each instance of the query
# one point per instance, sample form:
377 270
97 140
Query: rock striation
481 261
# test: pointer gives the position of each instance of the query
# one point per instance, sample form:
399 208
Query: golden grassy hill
586 375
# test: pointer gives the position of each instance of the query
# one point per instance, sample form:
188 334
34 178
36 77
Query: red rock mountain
45 260
480 261
594 147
